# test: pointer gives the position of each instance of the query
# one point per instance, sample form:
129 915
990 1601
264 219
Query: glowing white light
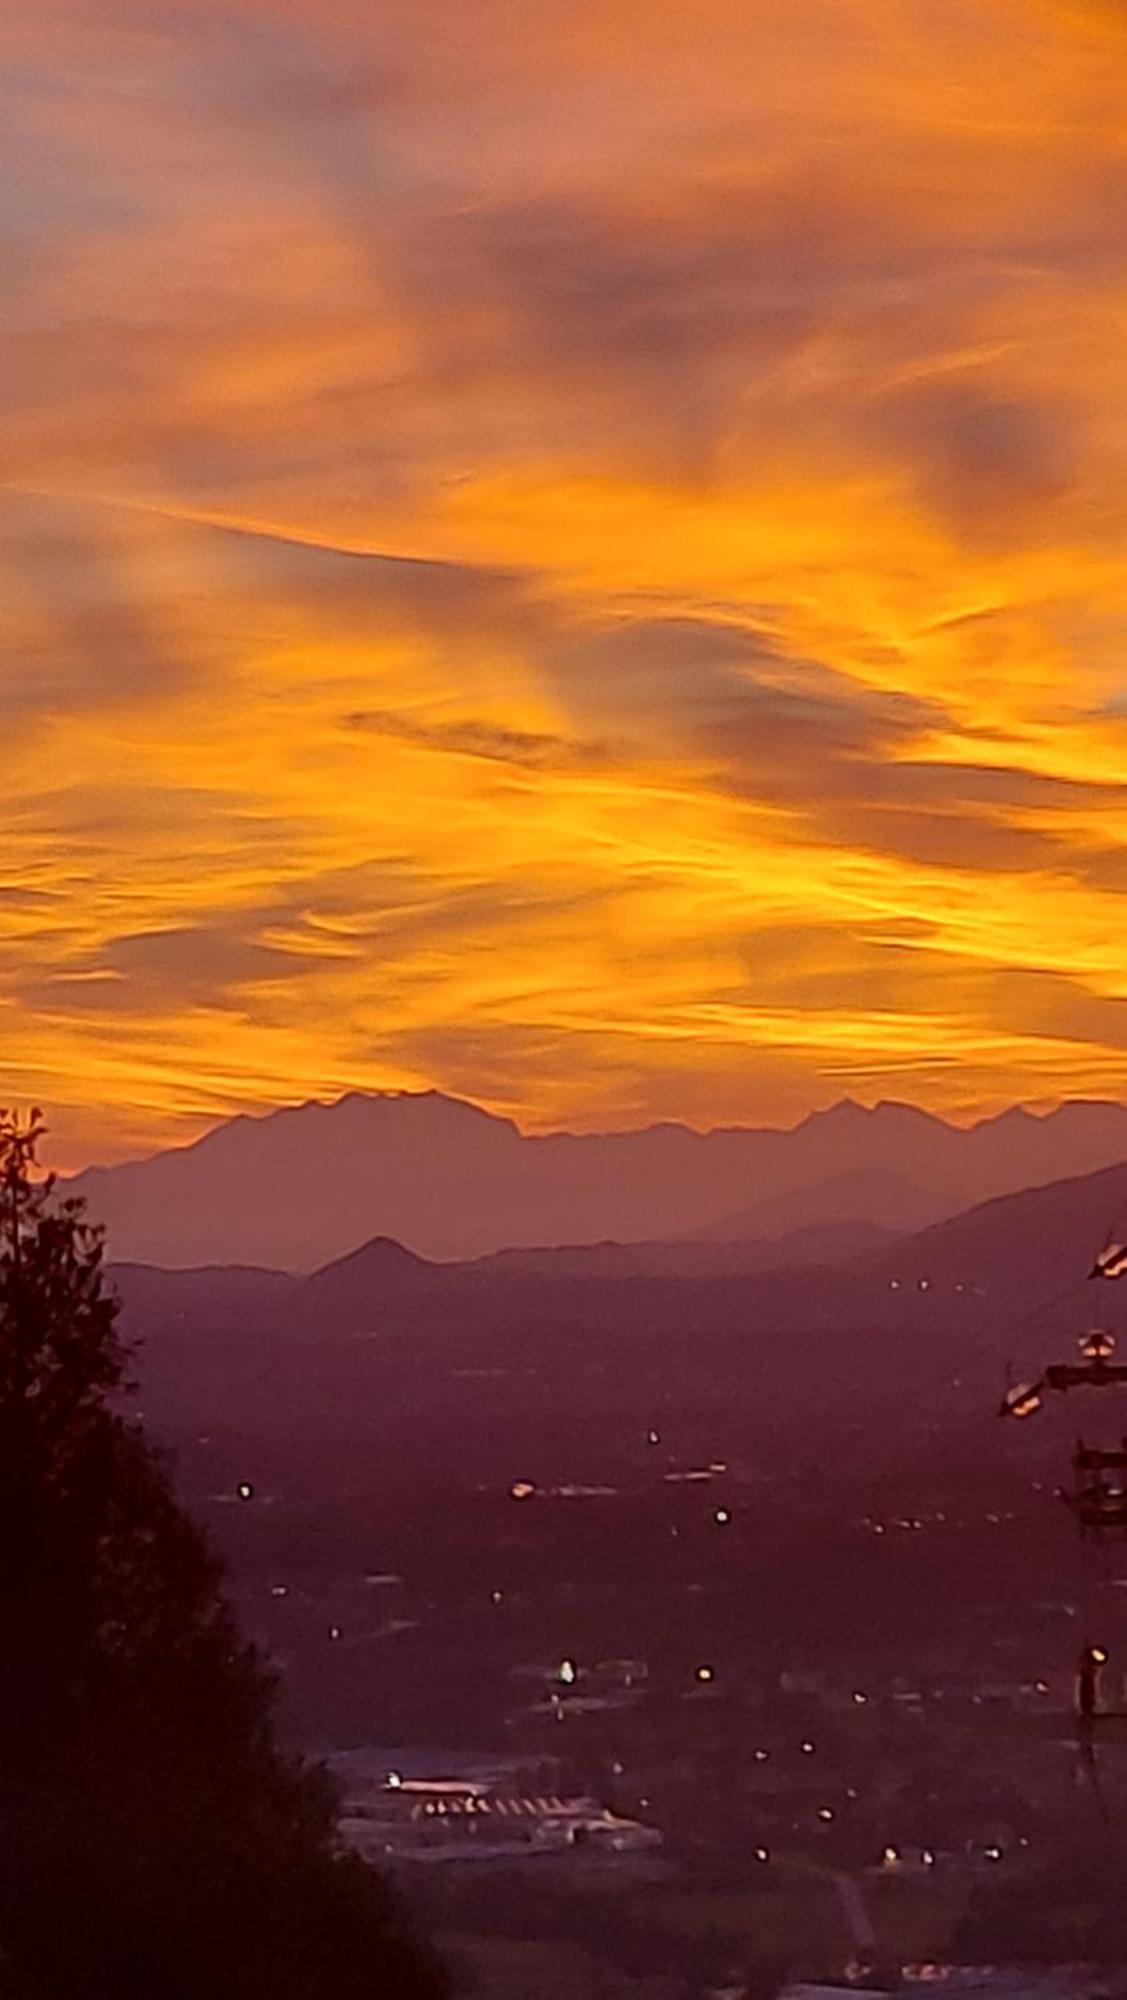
722 1517
245 1490
394 1781
891 1856
807 1748
763 1854
567 1672
860 1697
706 1673
522 1489
335 1632
825 1813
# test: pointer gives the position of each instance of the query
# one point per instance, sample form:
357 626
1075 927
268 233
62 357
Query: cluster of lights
907 1522
704 1674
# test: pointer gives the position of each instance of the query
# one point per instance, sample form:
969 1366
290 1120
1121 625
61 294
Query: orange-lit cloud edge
573 556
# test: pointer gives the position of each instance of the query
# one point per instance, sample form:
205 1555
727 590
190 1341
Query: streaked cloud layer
574 553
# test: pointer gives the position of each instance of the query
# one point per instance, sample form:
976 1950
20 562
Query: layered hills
922 1320
297 1188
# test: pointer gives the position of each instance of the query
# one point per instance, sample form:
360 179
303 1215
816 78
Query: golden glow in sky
572 553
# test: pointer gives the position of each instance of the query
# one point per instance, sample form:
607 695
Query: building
453 1819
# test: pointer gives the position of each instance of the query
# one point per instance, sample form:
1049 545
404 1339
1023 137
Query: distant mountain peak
374 1100
379 1253
382 1269
848 1111
845 1111
434 1105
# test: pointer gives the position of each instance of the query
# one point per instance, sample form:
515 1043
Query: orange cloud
582 566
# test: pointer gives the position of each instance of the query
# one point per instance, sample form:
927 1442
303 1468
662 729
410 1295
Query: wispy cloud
581 564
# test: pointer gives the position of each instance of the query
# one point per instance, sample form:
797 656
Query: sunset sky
571 551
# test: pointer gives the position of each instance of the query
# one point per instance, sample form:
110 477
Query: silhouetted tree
153 1839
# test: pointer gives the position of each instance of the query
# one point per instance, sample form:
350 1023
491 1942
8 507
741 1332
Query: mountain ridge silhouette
298 1187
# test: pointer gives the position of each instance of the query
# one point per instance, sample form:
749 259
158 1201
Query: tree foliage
155 1841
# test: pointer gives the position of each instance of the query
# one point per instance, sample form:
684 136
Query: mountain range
912 1326
296 1188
